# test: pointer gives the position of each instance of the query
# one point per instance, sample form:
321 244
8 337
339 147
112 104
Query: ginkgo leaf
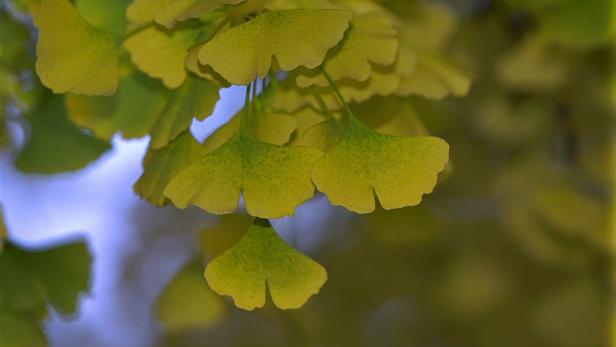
293 37
229 230
434 77
391 116
161 53
169 12
57 275
142 106
108 15
399 170
3 232
371 39
289 98
54 144
72 54
261 258
161 166
273 179
131 110
306 117
187 303
533 65
272 127
323 135
20 330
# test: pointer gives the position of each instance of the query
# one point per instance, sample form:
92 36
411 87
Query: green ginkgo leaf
274 180
371 39
396 116
262 259
54 144
143 106
187 302
161 53
399 170
72 54
161 166
293 37
169 12
29 278
108 15
20 330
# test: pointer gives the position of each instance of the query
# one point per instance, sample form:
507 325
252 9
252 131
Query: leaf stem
345 105
246 111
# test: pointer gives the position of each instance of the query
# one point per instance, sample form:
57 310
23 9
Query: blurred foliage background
514 248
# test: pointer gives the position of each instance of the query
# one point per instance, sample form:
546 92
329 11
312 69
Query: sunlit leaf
72 54
371 39
55 144
399 170
294 37
161 53
169 12
262 258
187 303
274 180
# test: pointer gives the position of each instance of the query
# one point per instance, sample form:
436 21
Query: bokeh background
514 247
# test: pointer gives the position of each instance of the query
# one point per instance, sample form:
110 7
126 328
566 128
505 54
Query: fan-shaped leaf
398 169
73 55
187 302
294 37
261 257
161 166
274 179
371 39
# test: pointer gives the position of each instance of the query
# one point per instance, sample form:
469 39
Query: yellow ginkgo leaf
261 258
399 170
294 37
371 39
306 117
161 166
187 302
274 179
161 53
73 55
169 12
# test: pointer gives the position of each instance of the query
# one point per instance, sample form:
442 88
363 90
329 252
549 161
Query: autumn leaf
399 170
72 54
262 258
274 180
371 39
294 37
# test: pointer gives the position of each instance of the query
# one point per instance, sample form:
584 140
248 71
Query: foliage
341 98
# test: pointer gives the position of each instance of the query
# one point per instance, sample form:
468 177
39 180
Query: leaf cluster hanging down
163 65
